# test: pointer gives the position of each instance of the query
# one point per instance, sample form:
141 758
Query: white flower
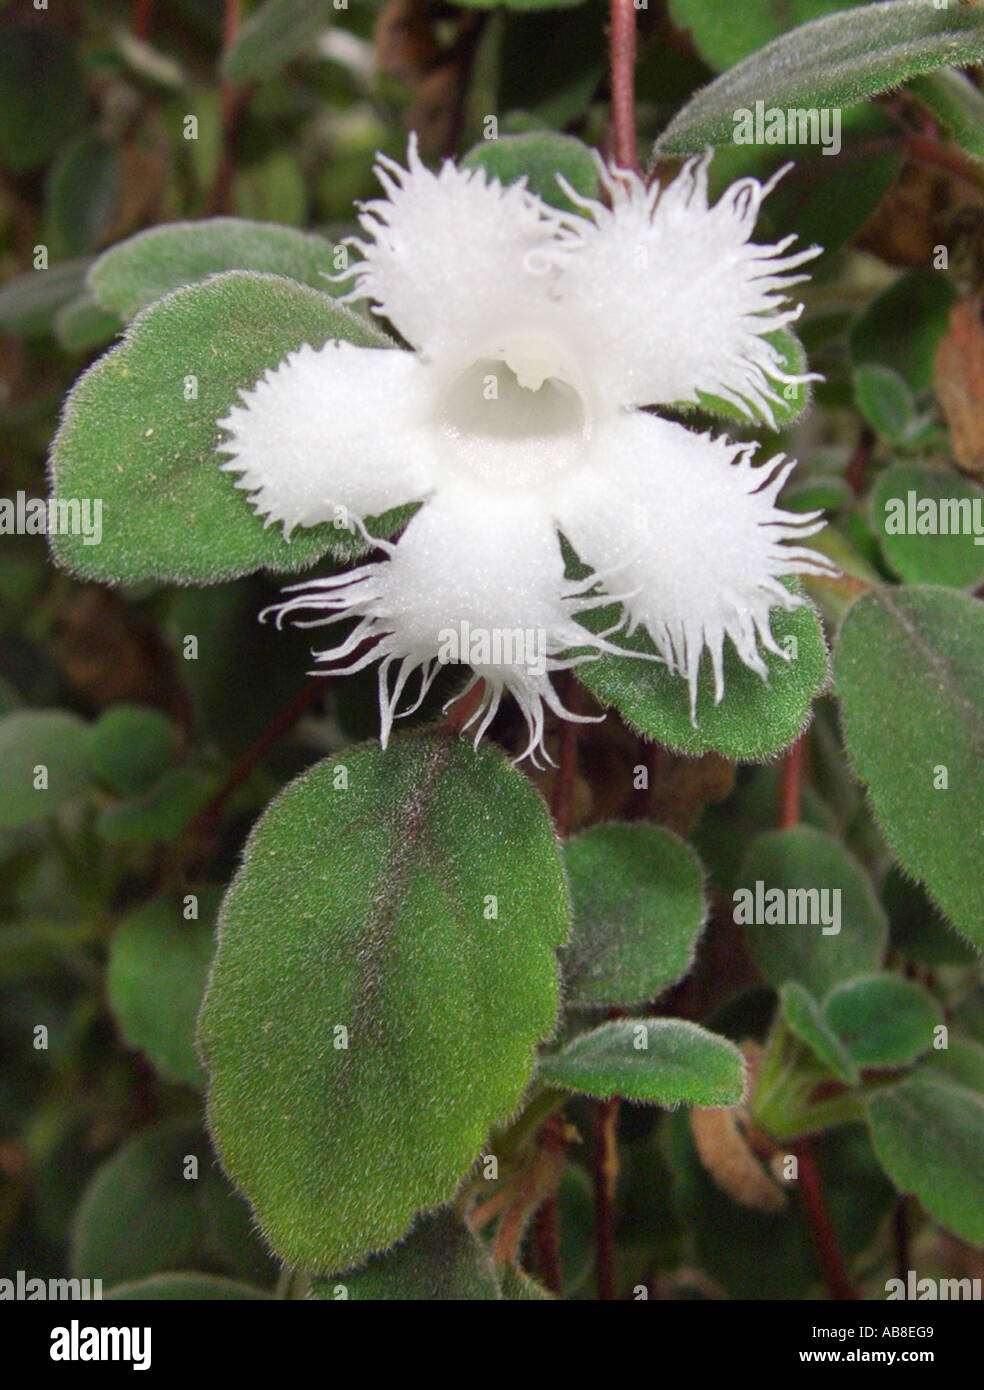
537 337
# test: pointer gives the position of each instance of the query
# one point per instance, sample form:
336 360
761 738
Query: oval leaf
387 945
131 441
638 911
666 1061
921 756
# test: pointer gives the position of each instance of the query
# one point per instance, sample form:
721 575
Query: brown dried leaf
958 379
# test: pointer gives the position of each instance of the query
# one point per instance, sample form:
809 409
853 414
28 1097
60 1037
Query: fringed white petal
691 526
333 434
454 258
673 295
477 579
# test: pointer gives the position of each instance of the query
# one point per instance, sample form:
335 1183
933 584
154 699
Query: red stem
821 1227
142 14
605 1173
623 55
792 785
546 1245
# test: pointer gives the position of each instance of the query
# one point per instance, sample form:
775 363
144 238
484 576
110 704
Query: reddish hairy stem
622 42
605 1178
821 1227
792 785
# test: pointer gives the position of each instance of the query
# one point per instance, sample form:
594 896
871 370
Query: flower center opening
514 417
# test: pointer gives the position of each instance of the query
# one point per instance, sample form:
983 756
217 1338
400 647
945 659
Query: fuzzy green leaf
799 861
806 1019
954 559
130 438
885 401
276 33
40 746
754 720
882 1020
903 749
151 264
158 965
793 399
665 1061
149 1209
726 35
834 61
130 746
928 1134
30 303
902 328
957 104
439 1260
185 1288
638 912
417 908
538 158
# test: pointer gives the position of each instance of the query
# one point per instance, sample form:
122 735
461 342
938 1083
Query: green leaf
806 1019
638 911
40 746
147 266
754 720
185 1287
276 33
385 969
724 36
130 746
158 966
957 104
665 1061
82 194
823 199
903 327
81 323
130 438
159 814
900 747
148 1209
939 496
793 399
830 62
30 303
538 158
918 930
439 1260
928 1134
796 863
886 402
42 95
882 1020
